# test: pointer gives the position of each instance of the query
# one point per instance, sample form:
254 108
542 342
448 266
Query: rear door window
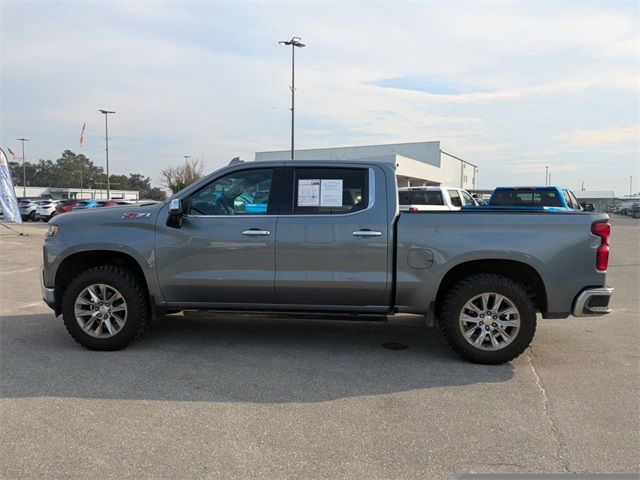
329 191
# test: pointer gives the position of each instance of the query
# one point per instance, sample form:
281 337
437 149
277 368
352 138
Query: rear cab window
526 198
418 197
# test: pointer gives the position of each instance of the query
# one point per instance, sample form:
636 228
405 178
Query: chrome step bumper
592 301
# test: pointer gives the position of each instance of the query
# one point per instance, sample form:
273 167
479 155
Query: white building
417 164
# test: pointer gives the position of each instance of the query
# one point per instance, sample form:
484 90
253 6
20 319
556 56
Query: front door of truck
224 251
332 238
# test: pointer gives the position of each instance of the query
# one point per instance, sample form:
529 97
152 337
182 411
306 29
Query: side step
360 317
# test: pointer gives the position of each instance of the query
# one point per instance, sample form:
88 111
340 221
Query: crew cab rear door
332 238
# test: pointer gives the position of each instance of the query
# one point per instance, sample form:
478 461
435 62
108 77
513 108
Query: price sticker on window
308 193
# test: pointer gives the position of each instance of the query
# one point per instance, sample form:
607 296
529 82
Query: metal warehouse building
417 164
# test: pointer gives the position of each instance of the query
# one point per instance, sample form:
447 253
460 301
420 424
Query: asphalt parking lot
273 398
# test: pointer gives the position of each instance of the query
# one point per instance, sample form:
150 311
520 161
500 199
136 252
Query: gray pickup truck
323 238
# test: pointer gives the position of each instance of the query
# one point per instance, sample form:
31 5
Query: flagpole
24 168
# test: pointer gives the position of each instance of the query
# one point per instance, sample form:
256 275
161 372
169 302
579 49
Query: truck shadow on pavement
231 359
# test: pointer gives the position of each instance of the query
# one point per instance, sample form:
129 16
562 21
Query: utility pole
630 185
546 176
106 140
294 42
24 168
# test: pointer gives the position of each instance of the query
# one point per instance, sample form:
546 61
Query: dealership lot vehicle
85 204
342 247
547 197
27 207
66 206
422 199
46 209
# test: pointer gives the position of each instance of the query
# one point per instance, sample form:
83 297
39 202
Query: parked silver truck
327 238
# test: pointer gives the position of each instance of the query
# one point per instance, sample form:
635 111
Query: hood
117 215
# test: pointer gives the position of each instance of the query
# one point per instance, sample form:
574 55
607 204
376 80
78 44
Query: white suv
46 209
424 199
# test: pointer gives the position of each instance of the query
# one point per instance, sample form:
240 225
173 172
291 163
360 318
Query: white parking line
19 271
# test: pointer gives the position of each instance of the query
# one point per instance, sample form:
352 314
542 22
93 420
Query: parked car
46 209
65 206
85 204
27 207
635 210
422 199
330 240
548 197
624 208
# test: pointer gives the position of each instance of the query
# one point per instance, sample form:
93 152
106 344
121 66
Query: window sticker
331 193
309 193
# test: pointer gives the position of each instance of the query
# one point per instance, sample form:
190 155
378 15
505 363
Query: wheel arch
78 262
514 270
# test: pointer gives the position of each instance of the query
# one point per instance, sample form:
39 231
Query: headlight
53 230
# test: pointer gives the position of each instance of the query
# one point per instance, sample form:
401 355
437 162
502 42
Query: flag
82 135
12 154
8 200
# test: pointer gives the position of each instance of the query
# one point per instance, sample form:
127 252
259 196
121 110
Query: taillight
413 209
602 230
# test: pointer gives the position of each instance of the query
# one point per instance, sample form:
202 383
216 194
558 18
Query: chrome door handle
366 233
255 231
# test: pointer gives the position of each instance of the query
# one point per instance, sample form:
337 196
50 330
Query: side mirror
588 207
174 219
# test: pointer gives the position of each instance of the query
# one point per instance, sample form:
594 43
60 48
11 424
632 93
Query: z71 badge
135 215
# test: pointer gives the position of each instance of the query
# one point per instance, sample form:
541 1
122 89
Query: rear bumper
592 302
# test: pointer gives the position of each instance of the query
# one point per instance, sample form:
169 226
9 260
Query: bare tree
177 178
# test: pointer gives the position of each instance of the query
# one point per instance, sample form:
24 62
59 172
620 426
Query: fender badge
128 215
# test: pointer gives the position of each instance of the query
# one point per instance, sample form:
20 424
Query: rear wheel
105 308
488 319
32 216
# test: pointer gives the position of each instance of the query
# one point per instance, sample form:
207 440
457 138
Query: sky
510 87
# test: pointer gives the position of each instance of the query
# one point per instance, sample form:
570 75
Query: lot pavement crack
557 436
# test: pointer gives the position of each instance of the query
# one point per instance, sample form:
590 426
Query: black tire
32 216
134 293
467 289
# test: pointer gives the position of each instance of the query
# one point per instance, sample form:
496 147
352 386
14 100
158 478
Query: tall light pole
106 140
24 169
546 176
631 185
294 42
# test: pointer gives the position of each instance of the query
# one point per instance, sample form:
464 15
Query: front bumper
592 301
48 294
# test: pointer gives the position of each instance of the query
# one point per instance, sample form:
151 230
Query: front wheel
105 308
488 319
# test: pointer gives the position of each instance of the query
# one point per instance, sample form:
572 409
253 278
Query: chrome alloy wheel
101 310
489 321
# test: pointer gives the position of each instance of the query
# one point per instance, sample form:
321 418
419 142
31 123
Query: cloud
502 85
600 136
